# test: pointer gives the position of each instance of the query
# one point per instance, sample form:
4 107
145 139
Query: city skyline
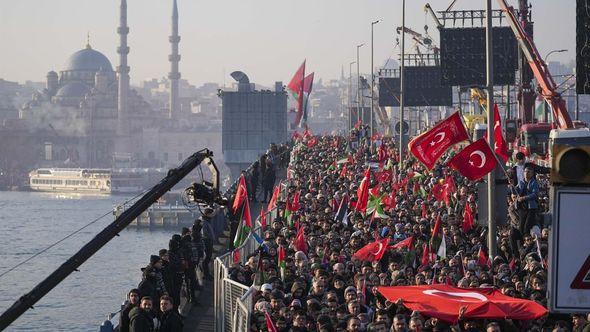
265 39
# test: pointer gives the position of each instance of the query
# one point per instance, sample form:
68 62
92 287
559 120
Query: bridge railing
233 300
227 291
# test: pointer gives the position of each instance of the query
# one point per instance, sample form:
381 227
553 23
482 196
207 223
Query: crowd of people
154 305
309 279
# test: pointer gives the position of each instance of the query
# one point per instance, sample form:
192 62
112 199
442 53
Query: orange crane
547 86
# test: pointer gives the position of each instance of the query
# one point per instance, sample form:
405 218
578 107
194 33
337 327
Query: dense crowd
317 285
154 305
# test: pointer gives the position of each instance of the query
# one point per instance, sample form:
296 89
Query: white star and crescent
441 135
481 155
460 296
378 249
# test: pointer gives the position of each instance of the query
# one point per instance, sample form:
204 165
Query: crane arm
428 9
539 69
174 176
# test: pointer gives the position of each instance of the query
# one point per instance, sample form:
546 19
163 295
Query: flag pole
490 101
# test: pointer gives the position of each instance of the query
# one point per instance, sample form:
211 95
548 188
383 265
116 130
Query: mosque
88 116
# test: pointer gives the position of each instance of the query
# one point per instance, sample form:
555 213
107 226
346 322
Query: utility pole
359 112
372 76
401 84
490 102
350 95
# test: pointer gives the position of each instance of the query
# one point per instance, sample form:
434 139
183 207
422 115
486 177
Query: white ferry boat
71 180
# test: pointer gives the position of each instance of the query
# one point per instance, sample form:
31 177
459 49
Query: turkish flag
428 147
475 161
467 218
407 243
373 251
300 243
241 194
438 191
500 146
444 302
362 192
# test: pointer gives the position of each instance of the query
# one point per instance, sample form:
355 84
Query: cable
66 237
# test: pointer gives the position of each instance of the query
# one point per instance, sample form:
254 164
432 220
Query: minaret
123 71
174 59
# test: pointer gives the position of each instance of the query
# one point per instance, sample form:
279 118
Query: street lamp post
492 246
401 84
372 76
350 95
545 115
554 51
359 112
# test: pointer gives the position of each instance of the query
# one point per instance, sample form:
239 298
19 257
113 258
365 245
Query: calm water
30 222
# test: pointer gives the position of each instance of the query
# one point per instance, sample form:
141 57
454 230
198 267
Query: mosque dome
88 59
73 90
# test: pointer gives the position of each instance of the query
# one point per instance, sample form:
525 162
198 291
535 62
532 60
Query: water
31 221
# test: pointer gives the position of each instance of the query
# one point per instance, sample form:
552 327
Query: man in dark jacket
170 320
140 318
517 173
176 269
132 302
268 180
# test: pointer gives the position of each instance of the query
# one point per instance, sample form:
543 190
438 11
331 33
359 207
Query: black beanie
154 259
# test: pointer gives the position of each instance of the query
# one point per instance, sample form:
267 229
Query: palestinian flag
292 206
281 261
245 225
342 213
375 208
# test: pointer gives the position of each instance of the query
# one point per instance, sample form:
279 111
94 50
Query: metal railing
232 300
223 285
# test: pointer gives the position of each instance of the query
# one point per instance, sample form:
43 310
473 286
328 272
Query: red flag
500 146
362 192
294 205
295 136
382 153
236 255
445 302
475 161
343 172
438 191
467 218
313 141
270 326
307 133
389 201
425 255
300 243
375 190
373 251
428 147
296 87
482 258
407 243
262 219
275 196
424 212
241 194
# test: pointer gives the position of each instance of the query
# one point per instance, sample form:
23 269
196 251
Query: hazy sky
267 39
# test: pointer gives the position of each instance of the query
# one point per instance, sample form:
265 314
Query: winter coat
170 321
140 321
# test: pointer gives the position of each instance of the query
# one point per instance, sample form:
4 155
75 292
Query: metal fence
233 300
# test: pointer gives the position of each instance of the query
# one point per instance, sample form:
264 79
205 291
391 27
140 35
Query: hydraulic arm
174 176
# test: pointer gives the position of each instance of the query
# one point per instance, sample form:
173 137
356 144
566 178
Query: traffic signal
570 157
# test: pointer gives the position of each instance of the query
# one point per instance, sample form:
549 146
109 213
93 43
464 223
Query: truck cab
533 139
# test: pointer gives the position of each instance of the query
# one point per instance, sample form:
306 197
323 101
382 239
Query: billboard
463 56
422 86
